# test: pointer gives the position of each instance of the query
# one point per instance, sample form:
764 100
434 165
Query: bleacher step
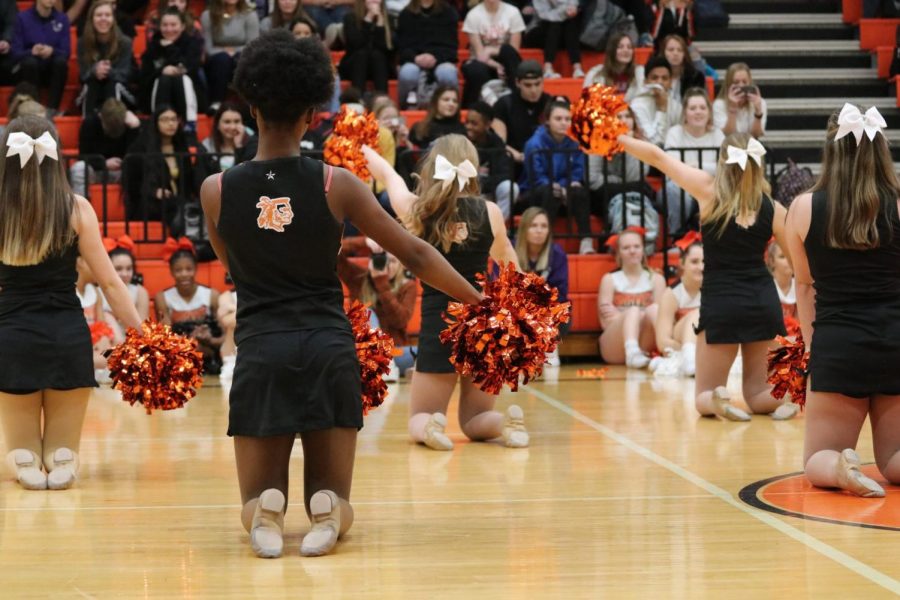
735 7
780 26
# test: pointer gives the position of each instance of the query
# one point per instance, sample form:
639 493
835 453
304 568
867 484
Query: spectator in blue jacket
41 47
554 172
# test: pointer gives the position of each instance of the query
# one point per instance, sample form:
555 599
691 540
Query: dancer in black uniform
276 223
45 346
447 212
739 305
844 239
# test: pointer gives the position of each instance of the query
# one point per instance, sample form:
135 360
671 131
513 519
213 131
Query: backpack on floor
619 219
792 181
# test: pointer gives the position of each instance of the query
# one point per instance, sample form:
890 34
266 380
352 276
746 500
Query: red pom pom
788 369
595 122
159 370
100 330
344 147
375 349
507 334
792 326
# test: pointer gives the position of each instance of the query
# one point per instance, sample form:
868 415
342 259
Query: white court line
12 509
860 568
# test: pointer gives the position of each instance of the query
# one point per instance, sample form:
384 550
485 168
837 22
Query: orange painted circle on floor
794 496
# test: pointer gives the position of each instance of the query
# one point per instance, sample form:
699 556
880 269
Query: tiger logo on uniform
274 213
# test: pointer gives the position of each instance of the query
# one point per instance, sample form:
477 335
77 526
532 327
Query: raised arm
401 198
696 182
795 232
350 198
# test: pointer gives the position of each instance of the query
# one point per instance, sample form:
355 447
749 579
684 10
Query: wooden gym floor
624 493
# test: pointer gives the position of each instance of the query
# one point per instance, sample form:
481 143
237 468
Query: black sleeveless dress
468 258
738 299
45 342
296 368
855 347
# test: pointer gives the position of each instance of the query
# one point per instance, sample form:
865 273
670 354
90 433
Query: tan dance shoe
267 527
435 438
786 411
27 467
514 432
723 407
853 480
325 515
63 472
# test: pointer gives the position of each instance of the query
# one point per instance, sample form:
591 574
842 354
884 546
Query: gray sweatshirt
553 10
236 32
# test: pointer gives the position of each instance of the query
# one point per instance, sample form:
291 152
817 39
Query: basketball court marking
843 559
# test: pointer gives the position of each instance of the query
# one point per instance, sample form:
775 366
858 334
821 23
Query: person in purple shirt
41 47
538 253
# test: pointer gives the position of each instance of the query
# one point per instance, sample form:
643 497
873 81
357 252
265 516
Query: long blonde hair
368 295
433 215
860 182
543 260
733 69
739 192
36 202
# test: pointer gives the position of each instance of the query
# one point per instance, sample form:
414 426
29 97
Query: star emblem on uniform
270 175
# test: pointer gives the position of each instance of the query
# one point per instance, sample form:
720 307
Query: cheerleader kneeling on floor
679 310
46 367
275 222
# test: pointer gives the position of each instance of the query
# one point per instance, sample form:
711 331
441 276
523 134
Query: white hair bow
852 121
447 172
24 145
754 150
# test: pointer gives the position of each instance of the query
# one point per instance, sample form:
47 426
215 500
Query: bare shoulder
83 214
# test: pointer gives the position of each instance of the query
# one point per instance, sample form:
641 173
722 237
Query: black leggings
577 203
568 31
363 65
51 71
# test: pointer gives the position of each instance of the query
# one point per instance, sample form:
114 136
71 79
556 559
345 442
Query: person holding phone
739 107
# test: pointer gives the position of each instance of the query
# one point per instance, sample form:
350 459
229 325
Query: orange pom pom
788 369
159 370
375 349
344 147
595 124
507 335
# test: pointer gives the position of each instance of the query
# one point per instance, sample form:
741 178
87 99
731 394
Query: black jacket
360 35
92 140
427 31
187 51
493 159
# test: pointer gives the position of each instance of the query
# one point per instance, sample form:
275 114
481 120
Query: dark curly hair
283 77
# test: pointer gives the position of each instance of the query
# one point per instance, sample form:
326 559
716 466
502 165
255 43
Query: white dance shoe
325 515
63 470
723 407
853 480
435 438
514 433
27 467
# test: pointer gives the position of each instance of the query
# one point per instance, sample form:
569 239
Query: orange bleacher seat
24 4
884 55
135 230
115 205
564 86
897 84
139 43
584 316
586 270
68 128
851 11
204 126
157 276
877 32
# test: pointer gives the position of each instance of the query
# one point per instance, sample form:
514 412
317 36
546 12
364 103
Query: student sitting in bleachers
228 139
654 108
302 27
624 303
442 119
385 287
103 140
228 26
160 175
121 254
618 68
495 36
621 173
328 15
495 168
284 12
427 46
190 308
369 46
740 107
672 17
538 253
554 172
558 21
684 74
41 47
7 24
696 131
170 68
104 58
152 21
519 114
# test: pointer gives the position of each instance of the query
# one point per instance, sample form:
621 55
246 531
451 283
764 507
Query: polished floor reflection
625 492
